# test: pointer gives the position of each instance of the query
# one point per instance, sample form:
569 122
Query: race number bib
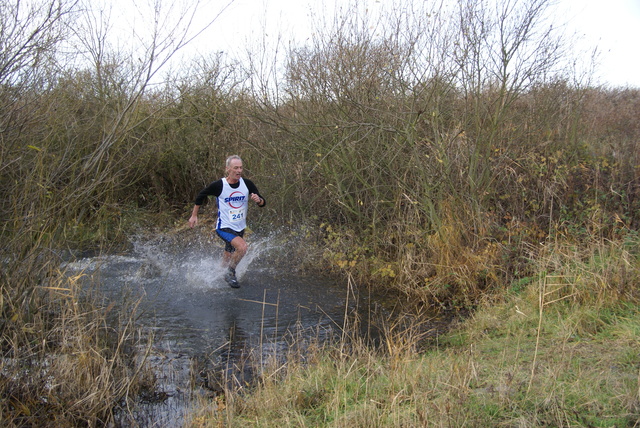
236 215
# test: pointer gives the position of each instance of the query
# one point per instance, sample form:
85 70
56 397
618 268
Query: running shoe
231 279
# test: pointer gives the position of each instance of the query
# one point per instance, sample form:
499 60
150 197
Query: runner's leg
234 251
240 246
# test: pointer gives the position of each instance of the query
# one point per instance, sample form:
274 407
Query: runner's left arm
253 189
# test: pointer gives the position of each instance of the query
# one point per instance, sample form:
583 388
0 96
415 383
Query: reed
560 352
63 363
425 158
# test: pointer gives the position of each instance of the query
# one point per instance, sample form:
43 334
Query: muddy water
201 325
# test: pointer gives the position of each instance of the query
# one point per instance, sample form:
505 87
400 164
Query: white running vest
232 206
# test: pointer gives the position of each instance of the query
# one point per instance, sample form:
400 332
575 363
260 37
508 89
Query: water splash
195 316
195 263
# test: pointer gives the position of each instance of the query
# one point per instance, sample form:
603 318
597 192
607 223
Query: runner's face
234 170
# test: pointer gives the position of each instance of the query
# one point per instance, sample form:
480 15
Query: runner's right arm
213 189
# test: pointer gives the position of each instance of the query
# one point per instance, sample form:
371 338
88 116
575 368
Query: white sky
613 26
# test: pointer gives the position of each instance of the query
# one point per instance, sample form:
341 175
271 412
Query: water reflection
200 325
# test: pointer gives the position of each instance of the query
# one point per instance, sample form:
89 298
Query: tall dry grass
62 363
428 157
561 351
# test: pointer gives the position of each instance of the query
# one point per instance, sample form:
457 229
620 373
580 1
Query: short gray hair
232 157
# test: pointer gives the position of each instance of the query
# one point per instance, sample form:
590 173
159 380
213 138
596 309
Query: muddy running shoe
231 279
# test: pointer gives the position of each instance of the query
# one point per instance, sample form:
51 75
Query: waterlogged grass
485 380
561 352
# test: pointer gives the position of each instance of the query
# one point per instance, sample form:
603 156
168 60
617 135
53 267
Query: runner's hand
255 198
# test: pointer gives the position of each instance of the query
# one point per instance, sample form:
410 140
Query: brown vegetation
434 157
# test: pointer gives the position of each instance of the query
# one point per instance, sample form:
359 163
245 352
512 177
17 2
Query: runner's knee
240 245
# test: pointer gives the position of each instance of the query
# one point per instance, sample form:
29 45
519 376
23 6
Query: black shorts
227 236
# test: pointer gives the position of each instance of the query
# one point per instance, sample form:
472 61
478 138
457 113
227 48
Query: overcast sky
613 26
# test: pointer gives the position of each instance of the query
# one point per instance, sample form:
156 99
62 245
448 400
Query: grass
561 352
63 364
429 186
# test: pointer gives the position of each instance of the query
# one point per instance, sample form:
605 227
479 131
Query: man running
233 193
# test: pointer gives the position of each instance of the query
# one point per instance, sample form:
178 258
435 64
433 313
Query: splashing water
196 263
194 314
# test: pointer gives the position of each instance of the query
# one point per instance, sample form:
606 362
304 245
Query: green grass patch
571 361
